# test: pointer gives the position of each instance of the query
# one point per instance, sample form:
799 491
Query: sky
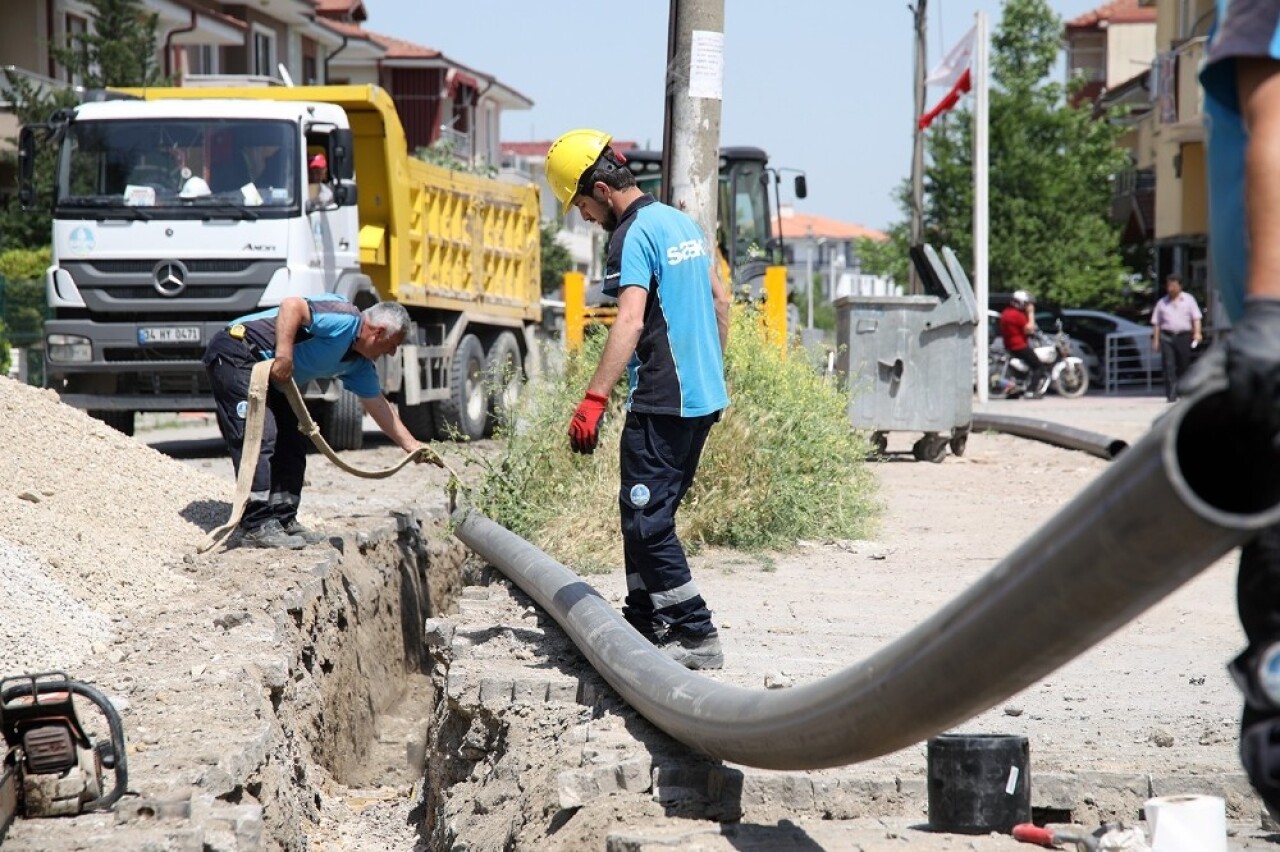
822 85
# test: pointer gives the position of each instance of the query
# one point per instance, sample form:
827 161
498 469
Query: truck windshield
179 168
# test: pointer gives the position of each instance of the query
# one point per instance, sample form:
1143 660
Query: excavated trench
356 701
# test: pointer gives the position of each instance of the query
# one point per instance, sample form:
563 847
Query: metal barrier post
775 306
575 309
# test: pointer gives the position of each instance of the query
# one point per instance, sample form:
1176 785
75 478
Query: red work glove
584 428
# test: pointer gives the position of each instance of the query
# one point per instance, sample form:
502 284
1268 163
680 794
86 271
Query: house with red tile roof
1108 45
235 43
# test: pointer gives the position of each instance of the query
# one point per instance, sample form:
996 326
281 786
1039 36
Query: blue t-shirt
321 349
1244 28
677 367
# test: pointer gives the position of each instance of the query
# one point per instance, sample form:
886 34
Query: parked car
1047 319
1134 352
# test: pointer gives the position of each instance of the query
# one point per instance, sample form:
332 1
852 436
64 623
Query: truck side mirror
27 166
342 162
345 194
802 186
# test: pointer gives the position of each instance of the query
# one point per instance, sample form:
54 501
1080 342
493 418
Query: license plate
169 334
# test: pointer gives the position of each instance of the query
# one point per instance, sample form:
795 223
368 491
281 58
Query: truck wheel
466 409
342 422
420 420
504 373
121 421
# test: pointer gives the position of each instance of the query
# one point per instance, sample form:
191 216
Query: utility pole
691 123
917 137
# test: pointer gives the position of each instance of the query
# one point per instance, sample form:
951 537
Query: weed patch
783 464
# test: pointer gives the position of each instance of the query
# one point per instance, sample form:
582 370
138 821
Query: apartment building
215 43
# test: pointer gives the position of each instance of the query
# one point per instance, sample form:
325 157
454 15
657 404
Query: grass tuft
783 463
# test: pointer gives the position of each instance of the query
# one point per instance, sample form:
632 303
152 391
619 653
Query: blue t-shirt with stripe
677 367
322 349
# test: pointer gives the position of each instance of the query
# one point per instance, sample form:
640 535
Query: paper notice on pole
706 65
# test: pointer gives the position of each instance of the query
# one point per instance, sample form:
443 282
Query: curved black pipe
1096 444
1168 507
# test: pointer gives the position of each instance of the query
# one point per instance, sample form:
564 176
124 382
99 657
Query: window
310 73
264 52
74 30
202 59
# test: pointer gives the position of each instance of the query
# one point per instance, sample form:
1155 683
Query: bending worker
669 336
313 338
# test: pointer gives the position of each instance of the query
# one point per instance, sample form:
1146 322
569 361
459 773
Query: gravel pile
92 524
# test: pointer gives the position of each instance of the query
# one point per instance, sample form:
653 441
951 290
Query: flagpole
981 232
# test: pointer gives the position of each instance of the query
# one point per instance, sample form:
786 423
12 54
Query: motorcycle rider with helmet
1017 324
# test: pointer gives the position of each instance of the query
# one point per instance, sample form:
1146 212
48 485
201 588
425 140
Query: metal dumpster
907 361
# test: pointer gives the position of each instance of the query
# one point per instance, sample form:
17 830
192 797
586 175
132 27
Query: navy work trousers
659 457
282 461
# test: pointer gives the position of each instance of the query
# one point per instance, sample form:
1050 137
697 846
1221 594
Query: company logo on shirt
687 250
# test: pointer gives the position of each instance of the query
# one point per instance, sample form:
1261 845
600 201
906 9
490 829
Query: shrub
783 464
25 264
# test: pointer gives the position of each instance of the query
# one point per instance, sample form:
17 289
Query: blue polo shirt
323 348
677 367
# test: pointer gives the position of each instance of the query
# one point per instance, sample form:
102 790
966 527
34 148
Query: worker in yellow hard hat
669 336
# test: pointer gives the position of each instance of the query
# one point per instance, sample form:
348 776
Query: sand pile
92 524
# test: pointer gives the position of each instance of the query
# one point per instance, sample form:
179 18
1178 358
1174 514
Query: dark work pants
1028 356
282 461
659 457
1175 353
1258 603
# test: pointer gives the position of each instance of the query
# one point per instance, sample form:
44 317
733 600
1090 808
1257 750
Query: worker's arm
1253 349
294 314
624 334
720 295
1155 328
1195 331
389 422
1259 88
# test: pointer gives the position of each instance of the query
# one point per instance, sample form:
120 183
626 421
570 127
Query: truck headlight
68 348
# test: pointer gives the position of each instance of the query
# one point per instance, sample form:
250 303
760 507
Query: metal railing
1128 364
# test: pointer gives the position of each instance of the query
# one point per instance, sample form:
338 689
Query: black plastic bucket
979 783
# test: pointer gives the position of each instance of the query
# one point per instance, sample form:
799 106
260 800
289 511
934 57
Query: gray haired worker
316 337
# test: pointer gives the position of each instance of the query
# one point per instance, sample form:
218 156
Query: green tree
120 51
556 260
1051 171
888 257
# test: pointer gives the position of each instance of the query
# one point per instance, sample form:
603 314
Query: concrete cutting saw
51 766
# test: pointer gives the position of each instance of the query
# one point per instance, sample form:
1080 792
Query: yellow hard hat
568 159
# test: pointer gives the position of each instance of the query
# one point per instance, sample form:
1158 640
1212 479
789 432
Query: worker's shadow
208 515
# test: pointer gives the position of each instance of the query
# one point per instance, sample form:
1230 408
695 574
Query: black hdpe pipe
1093 443
1193 488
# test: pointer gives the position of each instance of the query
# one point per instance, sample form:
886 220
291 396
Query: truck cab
173 218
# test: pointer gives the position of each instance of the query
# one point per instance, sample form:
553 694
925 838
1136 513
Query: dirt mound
94 524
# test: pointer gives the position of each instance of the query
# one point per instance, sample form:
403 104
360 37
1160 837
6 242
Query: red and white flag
954 71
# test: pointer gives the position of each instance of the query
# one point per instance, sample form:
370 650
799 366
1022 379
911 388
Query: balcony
39 81
1180 100
229 80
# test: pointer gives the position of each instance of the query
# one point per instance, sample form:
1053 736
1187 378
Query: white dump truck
179 209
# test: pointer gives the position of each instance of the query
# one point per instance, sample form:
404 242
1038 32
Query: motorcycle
1011 376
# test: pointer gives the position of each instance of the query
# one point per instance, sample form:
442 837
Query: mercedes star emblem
170 278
